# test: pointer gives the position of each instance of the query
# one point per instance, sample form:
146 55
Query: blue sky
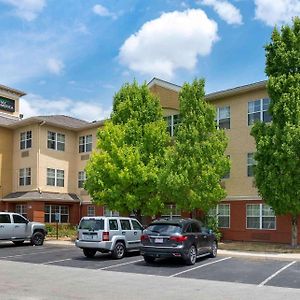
72 56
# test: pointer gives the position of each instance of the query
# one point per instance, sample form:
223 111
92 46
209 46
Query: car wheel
149 259
191 256
18 243
90 253
213 249
119 250
37 239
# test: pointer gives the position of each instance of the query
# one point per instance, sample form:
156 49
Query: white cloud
173 41
102 11
227 12
35 105
55 66
26 9
278 12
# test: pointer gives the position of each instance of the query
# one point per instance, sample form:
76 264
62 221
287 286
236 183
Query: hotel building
42 161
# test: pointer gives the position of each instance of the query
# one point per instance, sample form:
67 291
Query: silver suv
114 235
15 228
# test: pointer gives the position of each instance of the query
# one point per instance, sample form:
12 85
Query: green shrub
212 223
64 230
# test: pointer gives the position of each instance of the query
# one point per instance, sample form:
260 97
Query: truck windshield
91 224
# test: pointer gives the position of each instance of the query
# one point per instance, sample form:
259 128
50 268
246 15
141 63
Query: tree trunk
138 214
294 231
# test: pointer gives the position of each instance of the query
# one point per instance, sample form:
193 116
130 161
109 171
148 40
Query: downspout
38 158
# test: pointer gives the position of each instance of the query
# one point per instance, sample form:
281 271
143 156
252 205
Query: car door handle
123 232
205 236
17 226
135 233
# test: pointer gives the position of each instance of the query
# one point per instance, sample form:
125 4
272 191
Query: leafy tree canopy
196 163
123 173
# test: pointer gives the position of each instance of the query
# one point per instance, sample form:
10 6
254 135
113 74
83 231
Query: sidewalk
263 255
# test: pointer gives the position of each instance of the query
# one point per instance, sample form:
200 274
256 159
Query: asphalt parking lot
248 270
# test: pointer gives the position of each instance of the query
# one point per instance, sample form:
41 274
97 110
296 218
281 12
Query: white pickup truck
14 227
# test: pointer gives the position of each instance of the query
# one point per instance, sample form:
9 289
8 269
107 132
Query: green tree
196 163
123 173
277 173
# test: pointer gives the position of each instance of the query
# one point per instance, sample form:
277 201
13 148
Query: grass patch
258 247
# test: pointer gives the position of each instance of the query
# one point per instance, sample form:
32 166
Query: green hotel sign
7 104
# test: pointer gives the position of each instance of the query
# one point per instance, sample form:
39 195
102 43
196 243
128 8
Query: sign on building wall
7 104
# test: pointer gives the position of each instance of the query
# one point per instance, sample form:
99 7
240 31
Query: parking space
256 271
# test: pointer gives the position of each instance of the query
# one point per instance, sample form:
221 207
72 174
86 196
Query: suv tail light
105 236
144 237
178 238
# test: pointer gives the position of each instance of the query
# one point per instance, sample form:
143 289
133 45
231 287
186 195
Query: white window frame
110 213
250 163
24 174
56 141
91 211
171 125
21 209
171 211
261 216
215 213
218 116
81 179
26 138
260 111
83 143
60 211
57 176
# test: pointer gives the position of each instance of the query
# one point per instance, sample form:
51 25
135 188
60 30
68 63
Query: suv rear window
167 229
91 224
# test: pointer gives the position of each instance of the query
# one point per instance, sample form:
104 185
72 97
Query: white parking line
33 253
201 266
276 273
56 261
119 265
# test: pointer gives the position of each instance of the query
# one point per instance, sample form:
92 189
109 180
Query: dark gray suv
184 238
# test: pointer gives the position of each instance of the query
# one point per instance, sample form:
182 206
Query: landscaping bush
64 231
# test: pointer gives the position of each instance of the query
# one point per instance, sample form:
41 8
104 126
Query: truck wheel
90 253
119 250
18 243
37 238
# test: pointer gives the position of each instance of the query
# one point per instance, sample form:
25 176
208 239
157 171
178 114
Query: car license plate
88 237
159 241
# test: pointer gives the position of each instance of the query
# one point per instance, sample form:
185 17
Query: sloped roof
43 196
6 120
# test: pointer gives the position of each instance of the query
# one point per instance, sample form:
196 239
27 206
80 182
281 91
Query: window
19 220
55 177
21 209
110 213
85 143
136 225
25 176
91 212
56 141
81 179
250 164
172 122
258 111
223 117
25 140
4 219
227 175
171 211
222 214
125 225
113 225
61 210
260 216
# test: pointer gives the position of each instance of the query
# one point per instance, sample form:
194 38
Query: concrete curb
265 255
